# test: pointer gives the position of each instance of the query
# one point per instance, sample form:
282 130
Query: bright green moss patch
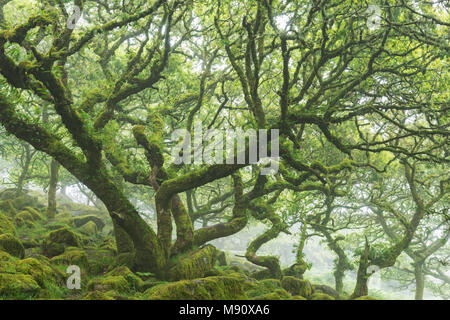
72 256
56 241
6 226
11 245
195 265
117 283
321 296
297 286
17 286
211 288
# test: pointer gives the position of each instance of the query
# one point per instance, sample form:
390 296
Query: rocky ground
35 253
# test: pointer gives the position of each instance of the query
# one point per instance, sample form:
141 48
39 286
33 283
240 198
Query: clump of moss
195 265
297 286
100 260
263 287
17 286
24 218
134 281
83 220
116 283
98 295
34 213
58 240
365 298
278 294
7 207
63 215
24 201
12 245
326 289
89 228
41 271
298 298
211 288
321 296
6 226
72 256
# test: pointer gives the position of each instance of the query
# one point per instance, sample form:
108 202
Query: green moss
41 271
326 289
116 283
194 265
24 201
263 287
211 288
35 214
72 256
6 226
17 286
134 281
12 245
98 295
321 296
58 240
298 298
297 286
7 207
89 228
278 294
100 260
5 256
83 220
24 218
365 298
63 215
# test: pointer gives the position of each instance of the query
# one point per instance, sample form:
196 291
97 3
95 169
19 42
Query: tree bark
420 280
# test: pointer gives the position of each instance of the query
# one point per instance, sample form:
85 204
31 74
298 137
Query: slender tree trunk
420 280
51 209
25 168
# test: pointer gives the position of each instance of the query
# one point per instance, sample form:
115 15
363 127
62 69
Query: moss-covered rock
100 260
34 213
45 274
63 215
298 298
326 289
278 294
89 228
365 298
6 226
58 240
116 283
83 220
5 256
221 258
24 218
194 265
29 243
24 201
211 288
133 280
98 295
17 286
321 296
72 256
297 286
11 245
7 207
263 287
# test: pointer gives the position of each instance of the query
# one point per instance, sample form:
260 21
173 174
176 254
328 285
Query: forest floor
38 255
